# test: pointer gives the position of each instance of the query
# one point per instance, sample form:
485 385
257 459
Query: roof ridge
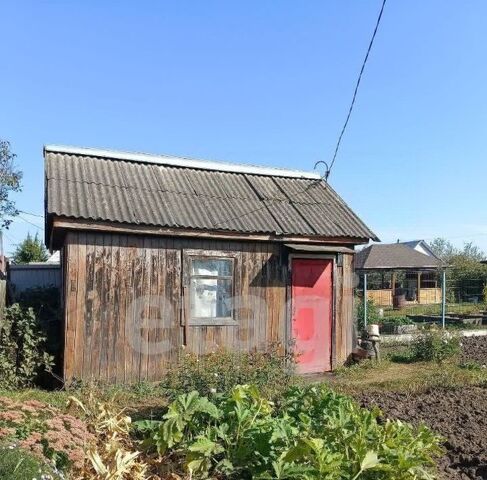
177 161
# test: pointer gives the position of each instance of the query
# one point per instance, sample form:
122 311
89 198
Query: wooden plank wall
109 277
428 296
344 334
382 298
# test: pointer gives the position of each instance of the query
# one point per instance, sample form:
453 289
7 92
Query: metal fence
24 277
419 298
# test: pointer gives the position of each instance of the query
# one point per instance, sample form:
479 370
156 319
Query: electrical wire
329 168
357 85
31 223
255 210
32 214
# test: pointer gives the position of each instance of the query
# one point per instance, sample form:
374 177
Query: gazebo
400 275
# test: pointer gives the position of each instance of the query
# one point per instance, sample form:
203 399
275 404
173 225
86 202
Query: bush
17 464
44 431
22 348
435 345
372 314
220 371
314 433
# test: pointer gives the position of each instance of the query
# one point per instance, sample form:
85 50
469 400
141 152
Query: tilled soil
474 349
459 415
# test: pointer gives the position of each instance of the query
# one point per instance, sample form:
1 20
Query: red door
312 313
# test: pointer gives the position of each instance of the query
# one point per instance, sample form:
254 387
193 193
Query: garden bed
474 349
450 398
454 319
459 415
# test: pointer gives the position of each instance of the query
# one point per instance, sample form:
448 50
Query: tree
466 276
30 250
444 250
10 179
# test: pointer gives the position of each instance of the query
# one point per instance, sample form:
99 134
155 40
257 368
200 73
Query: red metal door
312 306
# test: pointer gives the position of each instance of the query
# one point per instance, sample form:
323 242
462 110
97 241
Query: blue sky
264 82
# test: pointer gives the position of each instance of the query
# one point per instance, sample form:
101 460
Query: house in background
405 273
158 252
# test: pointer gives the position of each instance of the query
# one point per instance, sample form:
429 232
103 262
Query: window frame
189 256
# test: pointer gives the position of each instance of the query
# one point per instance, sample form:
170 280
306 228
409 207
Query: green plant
310 434
22 348
399 320
10 181
17 464
271 371
435 345
471 366
373 316
44 431
31 249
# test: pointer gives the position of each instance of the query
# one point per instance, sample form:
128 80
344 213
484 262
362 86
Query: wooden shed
159 252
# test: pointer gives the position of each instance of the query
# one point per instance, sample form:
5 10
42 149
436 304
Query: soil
459 415
474 349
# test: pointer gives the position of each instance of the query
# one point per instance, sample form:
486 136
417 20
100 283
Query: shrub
22 348
435 345
314 433
271 371
372 313
17 464
44 431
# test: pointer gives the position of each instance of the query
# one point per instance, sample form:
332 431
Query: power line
328 168
31 223
258 209
32 214
11 238
328 171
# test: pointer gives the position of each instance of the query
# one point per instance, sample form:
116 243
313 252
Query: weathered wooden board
124 305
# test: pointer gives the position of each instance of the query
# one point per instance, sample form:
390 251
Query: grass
54 398
435 309
139 397
16 464
407 377
393 373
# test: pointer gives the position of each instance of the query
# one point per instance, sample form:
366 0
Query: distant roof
394 256
422 243
176 192
54 258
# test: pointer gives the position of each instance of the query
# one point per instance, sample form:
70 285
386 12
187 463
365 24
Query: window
211 290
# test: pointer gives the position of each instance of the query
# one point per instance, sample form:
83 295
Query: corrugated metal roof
82 185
